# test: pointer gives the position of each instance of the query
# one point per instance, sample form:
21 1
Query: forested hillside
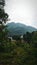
19 29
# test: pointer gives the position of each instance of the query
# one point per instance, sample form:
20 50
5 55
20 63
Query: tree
3 19
28 37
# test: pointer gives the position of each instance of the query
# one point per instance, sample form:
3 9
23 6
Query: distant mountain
19 29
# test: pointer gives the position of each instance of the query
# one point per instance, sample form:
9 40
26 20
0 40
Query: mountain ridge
19 28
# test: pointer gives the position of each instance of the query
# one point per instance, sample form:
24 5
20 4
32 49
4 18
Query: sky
22 11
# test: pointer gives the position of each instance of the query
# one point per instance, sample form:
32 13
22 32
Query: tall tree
3 20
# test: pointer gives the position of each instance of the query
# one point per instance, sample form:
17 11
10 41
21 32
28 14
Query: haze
22 11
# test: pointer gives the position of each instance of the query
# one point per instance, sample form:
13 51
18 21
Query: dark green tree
27 37
3 20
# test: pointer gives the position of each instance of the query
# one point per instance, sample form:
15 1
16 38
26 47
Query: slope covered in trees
19 29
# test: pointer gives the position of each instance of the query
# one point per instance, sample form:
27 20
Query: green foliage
3 19
16 37
27 37
19 54
2 2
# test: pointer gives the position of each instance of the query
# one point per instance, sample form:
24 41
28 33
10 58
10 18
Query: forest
17 52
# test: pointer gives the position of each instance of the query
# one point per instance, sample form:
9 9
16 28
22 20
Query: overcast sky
23 11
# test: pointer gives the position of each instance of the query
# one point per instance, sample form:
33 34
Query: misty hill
19 29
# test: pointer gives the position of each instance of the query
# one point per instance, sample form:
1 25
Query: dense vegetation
18 53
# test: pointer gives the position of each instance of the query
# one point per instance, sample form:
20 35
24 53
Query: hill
19 29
